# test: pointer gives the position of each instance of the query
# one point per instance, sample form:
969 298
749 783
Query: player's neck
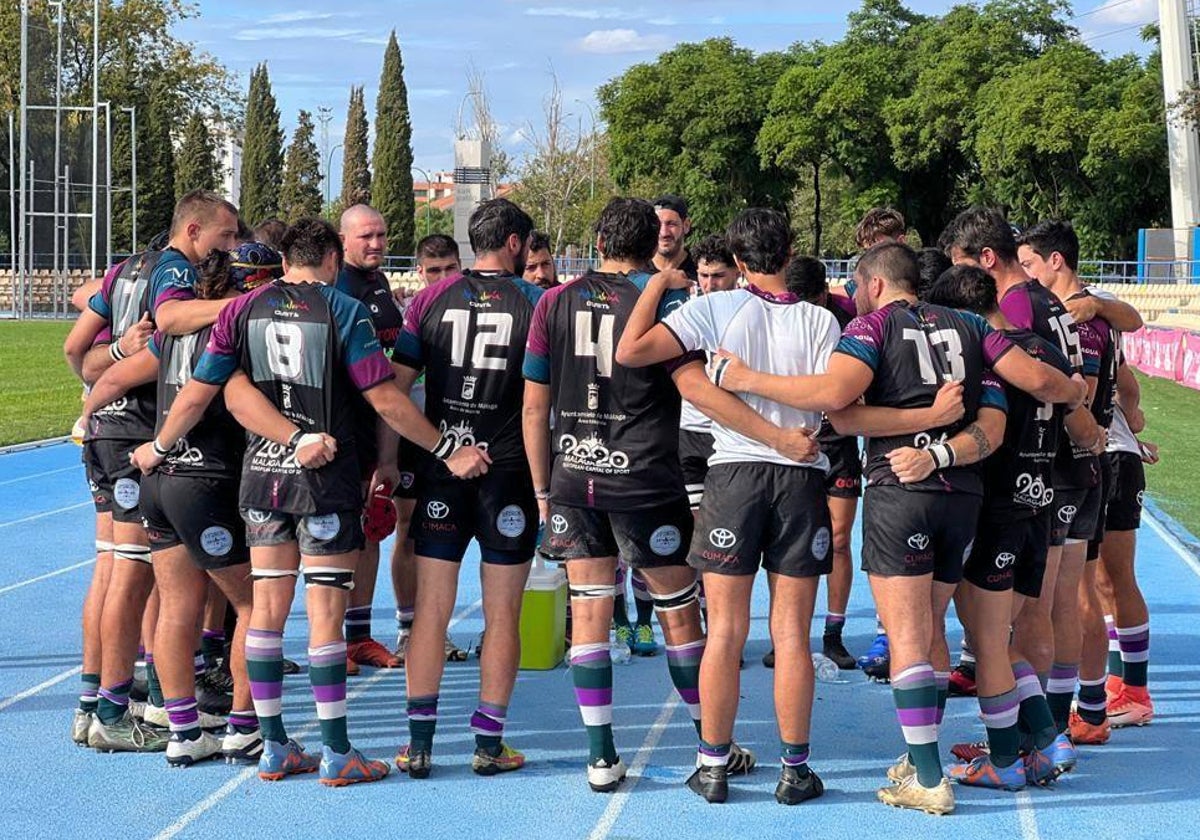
184 246
608 266
491 262
303 274
661 261
1066 283
1007 276
775 284
891 297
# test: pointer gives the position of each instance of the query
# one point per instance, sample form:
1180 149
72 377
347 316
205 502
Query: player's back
1031 306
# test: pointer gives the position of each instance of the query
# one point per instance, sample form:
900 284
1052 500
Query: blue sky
317 50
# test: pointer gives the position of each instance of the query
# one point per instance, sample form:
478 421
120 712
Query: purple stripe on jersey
593 696
995 345
104 336
370 371
330 693
846 304
423 300
1017 306
538 342
101 301
266 690
920 716
1094 336
869 328
171 293
771 297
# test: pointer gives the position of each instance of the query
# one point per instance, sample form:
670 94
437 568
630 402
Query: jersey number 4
595 344
950 341
492 329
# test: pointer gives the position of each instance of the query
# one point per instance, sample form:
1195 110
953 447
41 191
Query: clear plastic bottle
618 651
825 669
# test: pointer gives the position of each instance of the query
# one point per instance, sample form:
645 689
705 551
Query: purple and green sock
327 674
422 722
591 671
915 693
264 662
487 723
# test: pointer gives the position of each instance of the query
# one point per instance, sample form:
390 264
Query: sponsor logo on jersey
599 298
468 388
271 457
918 541
437 510
126 492
1005 559
820 543
1031 490
558 523
287 306
591 454
924 440
510 522
722 537
593 396
323 527
216 541
1066 514
463 434
482 298
188 455
665 540
407 479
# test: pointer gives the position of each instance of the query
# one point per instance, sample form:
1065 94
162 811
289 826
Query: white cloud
1126 11
613 41
429 93
583 14
293 33
295 17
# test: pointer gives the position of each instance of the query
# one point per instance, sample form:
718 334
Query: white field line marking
1169 538
46 513
233 784
55 573
29 692
1027 817
40 475
609 818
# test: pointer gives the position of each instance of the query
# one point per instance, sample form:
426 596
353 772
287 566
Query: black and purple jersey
1076 466
1018 477
173 278
123 299
215 446
1031 306
616 432
307 347
370 288
913 348
468 333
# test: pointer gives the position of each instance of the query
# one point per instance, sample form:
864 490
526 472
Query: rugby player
673 229
304 346
923 497
539 268
761 506
467 334
616 484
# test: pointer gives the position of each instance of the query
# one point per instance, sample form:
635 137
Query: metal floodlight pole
328 165
107 183
19 277
57 134
30 219
12 209
95 129
133 182
428 200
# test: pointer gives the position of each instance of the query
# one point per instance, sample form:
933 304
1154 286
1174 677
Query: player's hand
728 372
1149 451
468 462
797 444
672 278
145 458
1083 308
910 465
947 406
543 510
1082 390
1101 443
385 475
137 336
314 451
1136 420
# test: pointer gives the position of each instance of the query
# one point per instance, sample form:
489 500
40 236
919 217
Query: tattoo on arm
981 440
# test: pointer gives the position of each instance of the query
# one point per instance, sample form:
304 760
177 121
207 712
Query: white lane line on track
233 784
29 692
55 573
1169 538
1027 817
609 818
40 475
45 514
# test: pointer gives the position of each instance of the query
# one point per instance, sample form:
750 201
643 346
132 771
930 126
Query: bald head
364 236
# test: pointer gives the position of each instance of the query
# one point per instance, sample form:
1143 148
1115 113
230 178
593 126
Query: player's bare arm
1118 313
1040 380
974 443
844 382
103 356
879 421
645 342
138 369
535 425
185 413
180 317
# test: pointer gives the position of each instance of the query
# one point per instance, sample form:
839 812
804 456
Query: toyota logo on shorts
919 542
722 537
437 510
1066 514
1005 559
558 523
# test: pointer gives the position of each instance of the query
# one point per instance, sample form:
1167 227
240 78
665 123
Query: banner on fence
1189 370
1156 352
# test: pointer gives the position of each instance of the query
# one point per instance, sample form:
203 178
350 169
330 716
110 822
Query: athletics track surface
1142 784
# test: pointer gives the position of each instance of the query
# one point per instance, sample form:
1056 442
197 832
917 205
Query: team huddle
261 409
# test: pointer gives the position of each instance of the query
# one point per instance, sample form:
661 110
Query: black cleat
832 647
794 788
769 659
710 782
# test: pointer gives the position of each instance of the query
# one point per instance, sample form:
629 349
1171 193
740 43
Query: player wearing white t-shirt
771 510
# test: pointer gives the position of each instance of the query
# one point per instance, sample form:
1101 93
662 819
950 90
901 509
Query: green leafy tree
356 176
262 151
300 195
195 164
392 183
433 220
156 168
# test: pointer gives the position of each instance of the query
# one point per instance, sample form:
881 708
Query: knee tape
682 599
270 574
129 551
588 591
328 576
103 546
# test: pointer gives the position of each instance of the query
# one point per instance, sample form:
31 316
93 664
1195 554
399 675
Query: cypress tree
156 167
196 163
262 151
392 185
356 176
301 192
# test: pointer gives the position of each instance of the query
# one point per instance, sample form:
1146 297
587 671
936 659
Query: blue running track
1142 784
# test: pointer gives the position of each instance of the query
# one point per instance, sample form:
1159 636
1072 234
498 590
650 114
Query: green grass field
39 398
